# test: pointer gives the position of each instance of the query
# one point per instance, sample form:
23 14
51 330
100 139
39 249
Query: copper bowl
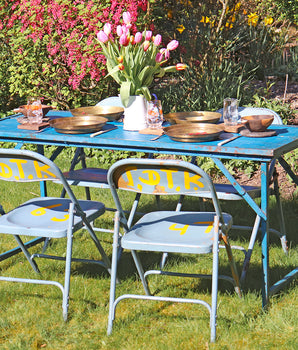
109 112
193 117
78 125
189 132
257 123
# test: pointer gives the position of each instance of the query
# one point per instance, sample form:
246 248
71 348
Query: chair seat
46 217
169 231
228 192
87 177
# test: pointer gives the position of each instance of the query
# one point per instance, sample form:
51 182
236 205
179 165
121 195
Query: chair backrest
114 101
26 166
159 177
245 111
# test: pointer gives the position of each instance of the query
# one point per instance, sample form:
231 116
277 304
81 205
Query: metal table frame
262 150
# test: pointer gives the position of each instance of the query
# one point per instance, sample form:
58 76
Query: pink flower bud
146 45
107 28
102 36
148 35
158 57
138 37
124 40
167 54
172 45
157 40
119 30
181 66
126 17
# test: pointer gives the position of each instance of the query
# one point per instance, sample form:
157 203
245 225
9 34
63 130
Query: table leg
265 234
42 185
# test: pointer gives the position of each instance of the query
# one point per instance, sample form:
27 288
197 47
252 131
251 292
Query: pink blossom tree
53 51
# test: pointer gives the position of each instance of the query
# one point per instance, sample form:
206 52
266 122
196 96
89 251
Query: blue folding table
262 150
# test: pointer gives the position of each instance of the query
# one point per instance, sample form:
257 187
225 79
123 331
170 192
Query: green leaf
145 91
125 92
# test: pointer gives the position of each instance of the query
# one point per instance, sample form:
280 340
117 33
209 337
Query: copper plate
193 117
193 132
78 125
109 112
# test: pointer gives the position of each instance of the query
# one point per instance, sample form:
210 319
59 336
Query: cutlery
102 132
228 140
157 137
11 116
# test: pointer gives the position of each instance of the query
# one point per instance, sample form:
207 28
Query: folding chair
228 192
168 231
47 217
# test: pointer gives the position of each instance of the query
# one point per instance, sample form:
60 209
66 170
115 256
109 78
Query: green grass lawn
31 315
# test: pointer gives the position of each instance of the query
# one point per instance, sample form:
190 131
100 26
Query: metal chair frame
158 231
47 217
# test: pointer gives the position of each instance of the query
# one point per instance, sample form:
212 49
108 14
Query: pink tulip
148 35
126 17
165 52
119 30
125 29
102 36
124 40
138 37
107 28
181 66
158 57
172 45
157 40
146 45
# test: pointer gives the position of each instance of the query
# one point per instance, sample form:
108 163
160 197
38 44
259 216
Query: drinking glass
34 110
154 114
230 112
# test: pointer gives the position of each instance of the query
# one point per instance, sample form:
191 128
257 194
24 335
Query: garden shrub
52 48
224 46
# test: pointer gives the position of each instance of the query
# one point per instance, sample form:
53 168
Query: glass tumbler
230 112
154 114
34 111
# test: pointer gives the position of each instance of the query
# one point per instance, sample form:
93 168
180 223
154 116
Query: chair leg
116 246
163 260
27 254
214 292
283 238
232 264
65 302
99 247
248 253
140 271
